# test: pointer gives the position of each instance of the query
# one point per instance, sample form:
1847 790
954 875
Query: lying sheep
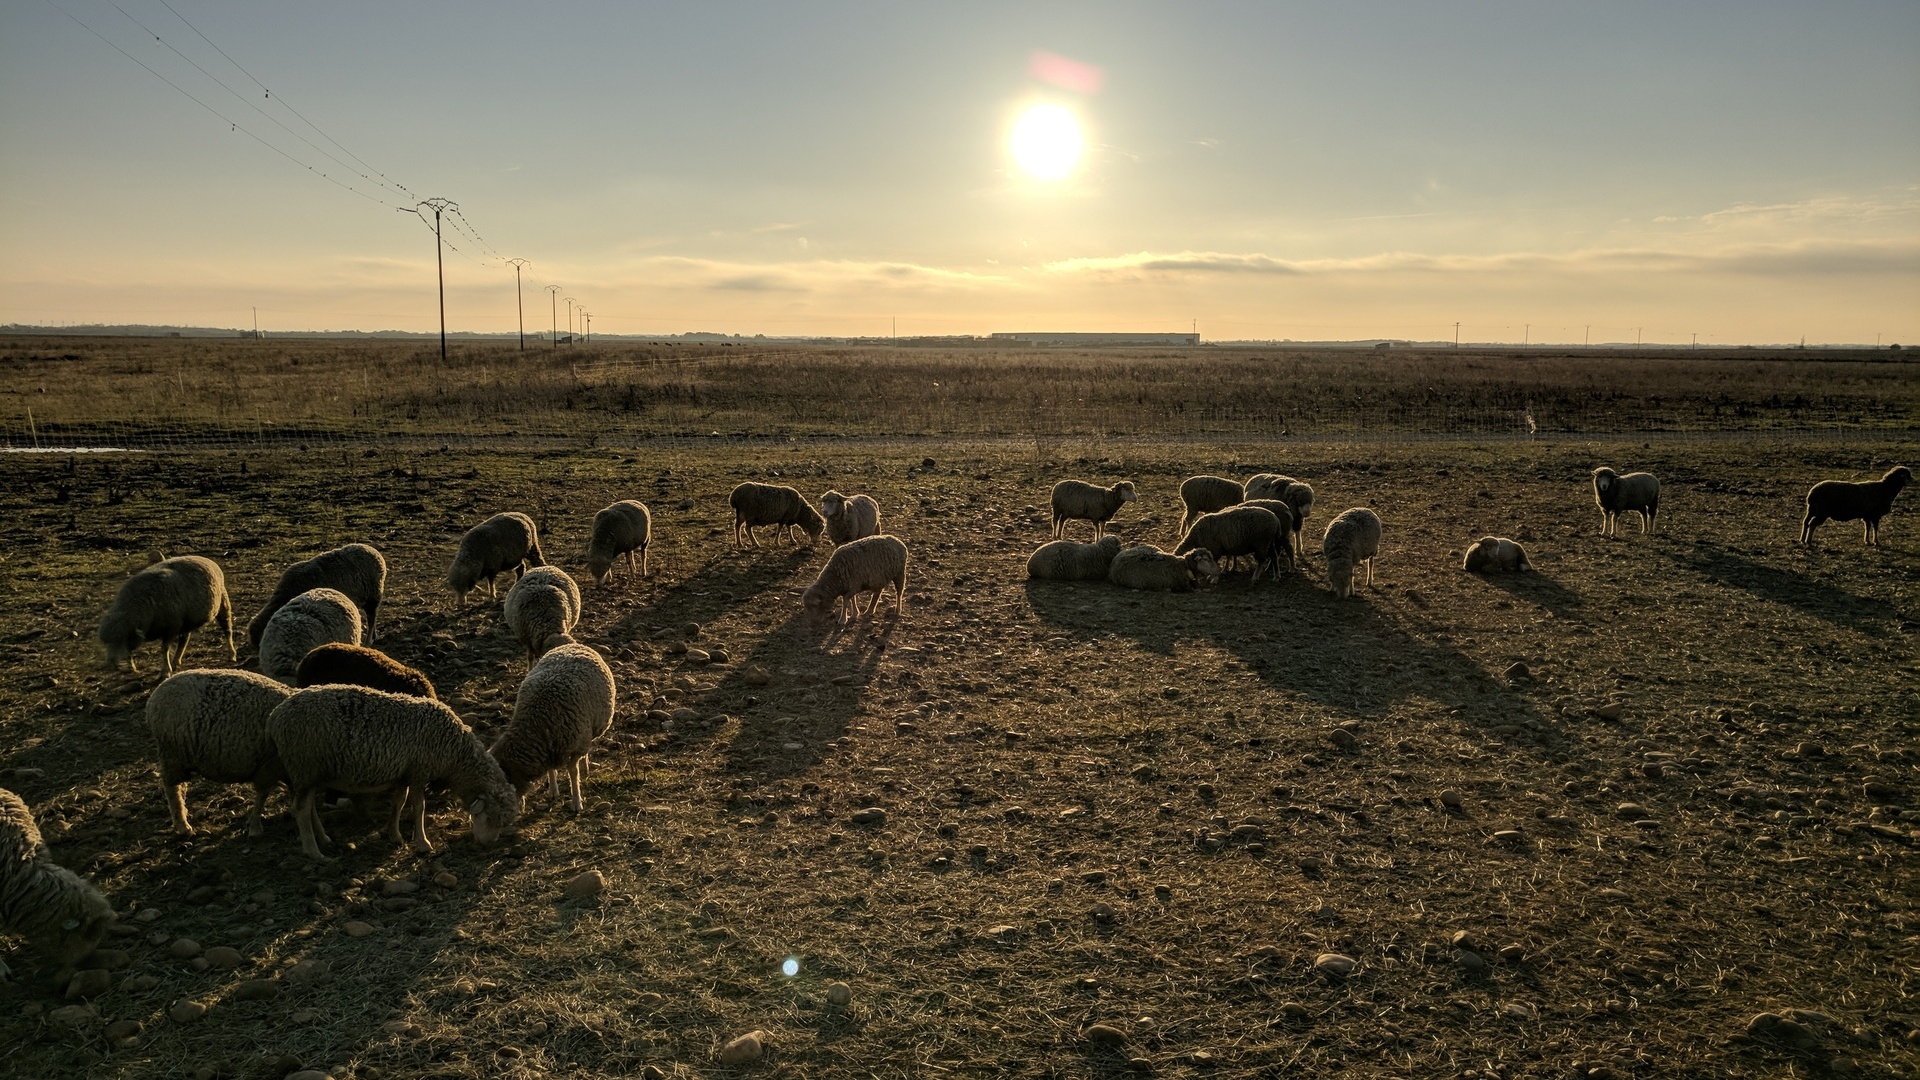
357 665
1077 500
863 566
304 623
1205 494
544 603
1239 530
52 907
214 724
1351 538
362 741
503 542
358 570
1068 560
1145 566
784 508
167 602
1840 500
1636 492
1491 553
620 529
850 517
564 704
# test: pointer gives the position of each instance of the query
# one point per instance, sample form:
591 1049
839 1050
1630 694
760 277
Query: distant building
1093 340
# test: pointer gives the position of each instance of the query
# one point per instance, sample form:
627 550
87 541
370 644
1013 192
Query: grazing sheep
564 704
1289 519
305 623
1351 538
362 741
1239 530
167 602
1077 500
850 517
1205 494
358 570
1267 485
357 665
544 603
214 724
620 529
1495 553
51 906
1145 566
1069 560
863 566
1638 492
1843 501
503 542
768 504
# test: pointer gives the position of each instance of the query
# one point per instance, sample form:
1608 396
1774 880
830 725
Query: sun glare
1046 141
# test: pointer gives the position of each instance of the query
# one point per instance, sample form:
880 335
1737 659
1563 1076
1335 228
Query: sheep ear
474 809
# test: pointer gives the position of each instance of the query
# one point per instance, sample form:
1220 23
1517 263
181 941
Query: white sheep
1205 494
1146 567
1491 553
1240 530
863 566
1289 517
503 542
1635 492
1267 485
1077 500
51 906
620 529
1351 538
1070 560
544 603
783 507
358 665
564 704
358 570
167 602
850 517
1840 500
214 724
312 619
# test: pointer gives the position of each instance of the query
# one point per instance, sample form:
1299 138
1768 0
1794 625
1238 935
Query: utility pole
1586 338
1527 334
256 325
1456 335
553 310
437 205
586 324
1636 336
569 322
519 305
1696 339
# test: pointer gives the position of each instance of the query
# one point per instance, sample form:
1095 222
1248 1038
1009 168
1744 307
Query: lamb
620 529
357 665
564 704
1616 495
214 724
1843 501
1239 530
1352 537
850 517
1068 560
1077 500
863 566
503 542
363 741
1496 553
1205 494
767 504
358 570
167 602
1145 566
314 618
51 906
544 603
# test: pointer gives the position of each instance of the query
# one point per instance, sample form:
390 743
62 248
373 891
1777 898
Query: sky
1550 172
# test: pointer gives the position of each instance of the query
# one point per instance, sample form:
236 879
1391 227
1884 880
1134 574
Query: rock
588 883
1105 1035
1470 961
224 957
309 973
309 1074
691 629
747 1048
699 656
356 928
1342 739
141 983
1517 671
446 880
147 915
1612 896
1632 811
402 1028
184 949
75 1016
757 676
1295 1013
186 1012
1452 799
1612 710
1880 791
1333 963
872 815
1512 954
1768 1025
839 995
256 990
399 887
124 1032
89 983
684 715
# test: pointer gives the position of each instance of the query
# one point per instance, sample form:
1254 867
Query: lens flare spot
790 966
1046 141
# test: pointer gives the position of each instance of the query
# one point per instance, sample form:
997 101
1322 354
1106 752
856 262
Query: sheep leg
579 774
553 785
644 572
1369 572
372 609
260 793
172 788
402 796
419 799
305 815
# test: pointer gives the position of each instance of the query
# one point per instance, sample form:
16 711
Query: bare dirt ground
1683 764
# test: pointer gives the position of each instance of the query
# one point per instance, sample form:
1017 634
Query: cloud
813 276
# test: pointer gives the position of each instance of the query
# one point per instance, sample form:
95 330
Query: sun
1046 141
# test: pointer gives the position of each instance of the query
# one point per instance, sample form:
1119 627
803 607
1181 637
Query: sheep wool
620 529
783 507
1615 494
1077 500
358 570
213 724
1267 485
1495 553
1839 500
1351 538
55 909
1289 520
358 665
1146 567
863 566
1236 531
1070 560
304 623
1205 494
503 542
850 517
544 603
167 602
564 704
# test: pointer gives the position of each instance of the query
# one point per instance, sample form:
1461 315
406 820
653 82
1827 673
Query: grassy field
1148 812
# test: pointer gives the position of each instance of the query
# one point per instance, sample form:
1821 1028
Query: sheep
1069 560
564 704
544 603
1352 537
1843 501
167 602
55 909
363 741
214 724
314 618
767 504
1077 500
1616 495
1289 519
1266 485
357 665
358 570
1145 566
867 565
503 542
620 529
1238 530
850 517
1495 553
1205 494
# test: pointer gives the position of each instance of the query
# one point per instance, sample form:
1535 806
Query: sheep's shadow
727 581
1866 614
1536 588
1154 621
